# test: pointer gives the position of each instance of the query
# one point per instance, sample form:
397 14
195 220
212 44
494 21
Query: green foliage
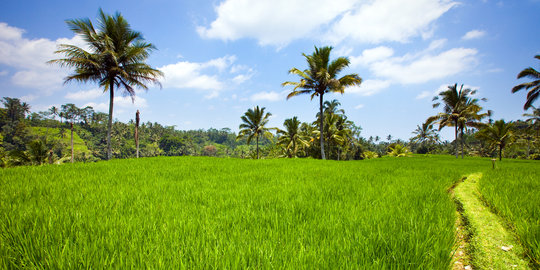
115 57
194 212
399 150
533 87
369 155
254 126
321 77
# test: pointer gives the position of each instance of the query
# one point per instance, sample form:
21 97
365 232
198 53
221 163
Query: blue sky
222 57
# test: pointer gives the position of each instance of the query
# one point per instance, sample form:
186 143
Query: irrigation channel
483 239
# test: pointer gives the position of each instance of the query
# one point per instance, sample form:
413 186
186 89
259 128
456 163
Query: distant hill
54 134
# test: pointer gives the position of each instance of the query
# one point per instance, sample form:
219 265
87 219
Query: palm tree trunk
456 147
72 141
500 152
321 125
257 147
109 126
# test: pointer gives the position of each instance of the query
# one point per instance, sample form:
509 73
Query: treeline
45 137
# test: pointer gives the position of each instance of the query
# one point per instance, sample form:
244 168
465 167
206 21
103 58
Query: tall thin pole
137 120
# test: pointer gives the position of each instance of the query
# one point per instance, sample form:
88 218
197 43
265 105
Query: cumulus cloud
424 67
278 22
268 96
371 55
209 77
29 56
85 95
359 106
473 34
388 20
369 87
272 22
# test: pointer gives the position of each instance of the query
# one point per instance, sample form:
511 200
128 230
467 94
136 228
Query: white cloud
29 98
371 55
206 76
119 103
389 20
186 74
272 22
268 96
359 106
238 79
278 22
85 95
426 94
29 57
369 87
424 67
473 34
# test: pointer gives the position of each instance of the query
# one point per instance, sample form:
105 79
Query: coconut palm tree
290 138
533 87
253 126
115 59
460 110
425 133
321 78
497 134
71 112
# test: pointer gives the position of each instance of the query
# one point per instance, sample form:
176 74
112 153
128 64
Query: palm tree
116 58
497 134
291 138
460 110
321 78
254 121
71 112
534 119
426 134
533 87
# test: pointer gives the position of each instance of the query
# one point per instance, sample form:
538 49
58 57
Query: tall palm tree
290 138
71 112
460 110
321 78
253 126
533 87
116 58
534 119
425 133
497 134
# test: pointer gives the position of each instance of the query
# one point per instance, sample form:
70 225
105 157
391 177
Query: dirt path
485 242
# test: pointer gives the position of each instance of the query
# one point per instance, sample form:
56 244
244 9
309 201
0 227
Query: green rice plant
512 191
203 212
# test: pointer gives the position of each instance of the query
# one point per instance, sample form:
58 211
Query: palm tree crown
291 138
497 134
115 58
321 78
460 110
533 86
254 125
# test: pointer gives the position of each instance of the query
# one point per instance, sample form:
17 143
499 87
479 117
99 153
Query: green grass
513 191
195 212
488 234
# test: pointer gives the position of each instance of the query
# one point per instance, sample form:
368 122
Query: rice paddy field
196 212
513 192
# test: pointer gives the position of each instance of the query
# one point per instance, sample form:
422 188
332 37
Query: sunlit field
195 212
513 192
